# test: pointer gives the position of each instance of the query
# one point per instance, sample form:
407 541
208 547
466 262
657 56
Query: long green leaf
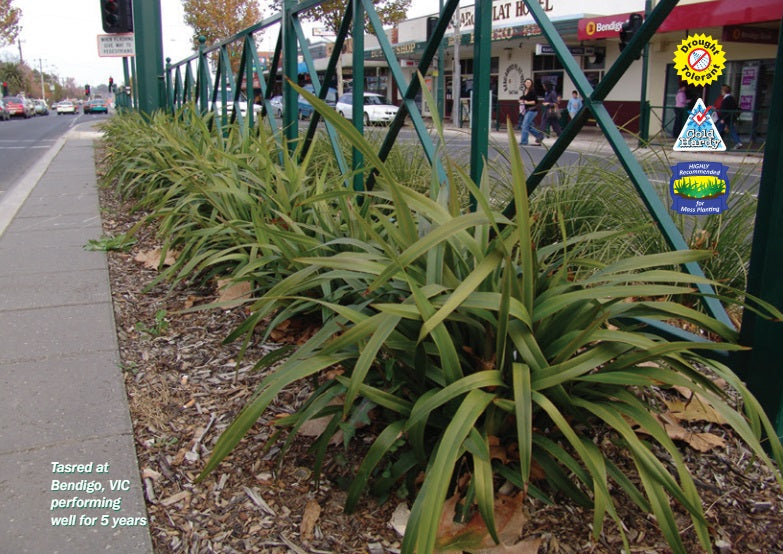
421 533
380 447
523 412
269 389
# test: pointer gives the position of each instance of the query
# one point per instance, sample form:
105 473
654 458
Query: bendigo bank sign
601 27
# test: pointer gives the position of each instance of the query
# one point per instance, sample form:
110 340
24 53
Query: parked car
40 107
331 95
17 107
4 113
66 106
304 108
218 104
377 109
96 105
29 105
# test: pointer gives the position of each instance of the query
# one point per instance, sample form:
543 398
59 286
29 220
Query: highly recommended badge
699 133
699 60
699 188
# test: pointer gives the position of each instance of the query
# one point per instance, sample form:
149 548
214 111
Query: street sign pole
149 55
126 74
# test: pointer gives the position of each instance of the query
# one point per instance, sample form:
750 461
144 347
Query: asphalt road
24 141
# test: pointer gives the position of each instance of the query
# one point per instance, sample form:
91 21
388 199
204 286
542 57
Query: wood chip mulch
185 386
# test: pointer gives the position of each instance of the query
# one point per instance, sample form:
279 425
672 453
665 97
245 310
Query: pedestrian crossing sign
699 133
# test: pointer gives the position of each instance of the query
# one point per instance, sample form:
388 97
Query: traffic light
87 90
5 88
117 16
111 84
432 22
629 29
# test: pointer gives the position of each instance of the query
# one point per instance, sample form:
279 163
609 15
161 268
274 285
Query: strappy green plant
467 332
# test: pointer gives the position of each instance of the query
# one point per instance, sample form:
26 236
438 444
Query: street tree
9 22
15 75
220 19
329 15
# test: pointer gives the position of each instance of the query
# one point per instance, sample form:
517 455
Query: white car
66 106
218 105
377 109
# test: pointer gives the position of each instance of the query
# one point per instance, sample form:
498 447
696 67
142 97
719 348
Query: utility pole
456 89
40 69
19 43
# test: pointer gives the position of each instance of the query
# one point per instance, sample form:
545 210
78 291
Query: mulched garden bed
185 386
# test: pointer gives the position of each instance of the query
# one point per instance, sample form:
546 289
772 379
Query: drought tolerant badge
699 60
699 188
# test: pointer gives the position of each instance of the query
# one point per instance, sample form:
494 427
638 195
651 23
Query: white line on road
24 147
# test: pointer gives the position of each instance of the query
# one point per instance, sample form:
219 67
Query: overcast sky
61 37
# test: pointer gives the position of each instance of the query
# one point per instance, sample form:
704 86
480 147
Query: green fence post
126 103
762 367
479 129
290 71
203 77
357 160
169 99
149 54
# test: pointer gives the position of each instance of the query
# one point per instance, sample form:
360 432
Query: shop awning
690 16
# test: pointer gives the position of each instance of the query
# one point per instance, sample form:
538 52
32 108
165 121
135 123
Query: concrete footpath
69 480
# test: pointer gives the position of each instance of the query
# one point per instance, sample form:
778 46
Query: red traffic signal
86 90
629 29
117 16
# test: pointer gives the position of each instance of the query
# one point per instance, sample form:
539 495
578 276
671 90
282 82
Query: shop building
747 31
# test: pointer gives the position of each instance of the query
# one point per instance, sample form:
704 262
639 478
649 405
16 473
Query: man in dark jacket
727 115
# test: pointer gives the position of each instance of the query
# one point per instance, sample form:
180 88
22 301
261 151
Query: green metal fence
191 80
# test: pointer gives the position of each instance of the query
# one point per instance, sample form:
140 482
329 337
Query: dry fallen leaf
525 546
399 519
703 442
151 258
697 409
694 408
310 516
510 518
314 427
233 290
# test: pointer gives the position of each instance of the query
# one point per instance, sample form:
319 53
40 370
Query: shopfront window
751 85
547 71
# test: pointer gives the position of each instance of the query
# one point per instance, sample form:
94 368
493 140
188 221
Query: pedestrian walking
521 112
680 107
530 100
727 114
552 111
574 104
